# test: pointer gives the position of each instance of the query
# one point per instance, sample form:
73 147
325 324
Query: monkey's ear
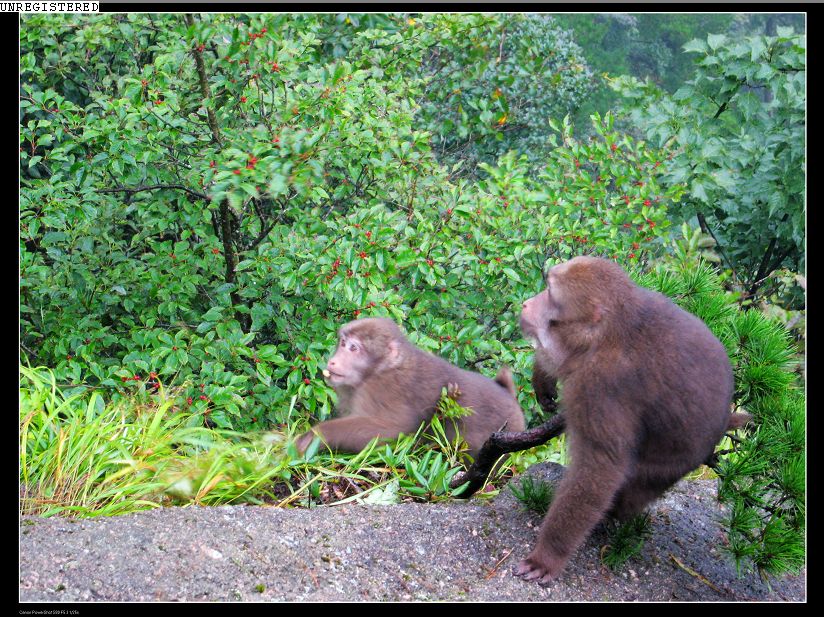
394 355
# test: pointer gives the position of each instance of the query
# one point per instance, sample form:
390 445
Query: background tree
735 133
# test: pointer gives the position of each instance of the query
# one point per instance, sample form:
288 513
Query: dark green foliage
227 267
494 82
735 133
763 479
646 46
625 541
535 495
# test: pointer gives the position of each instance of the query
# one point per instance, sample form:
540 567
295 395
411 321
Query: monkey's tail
504 379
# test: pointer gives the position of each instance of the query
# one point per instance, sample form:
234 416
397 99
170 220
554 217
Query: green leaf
714 41
698 191
512 275
695 45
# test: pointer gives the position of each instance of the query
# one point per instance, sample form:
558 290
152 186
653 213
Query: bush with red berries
280 191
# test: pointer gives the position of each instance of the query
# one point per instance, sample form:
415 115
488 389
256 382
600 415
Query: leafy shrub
217 243
494 81
735 132
535 495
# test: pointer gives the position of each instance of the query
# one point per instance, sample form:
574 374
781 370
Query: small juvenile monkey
386 386
646 397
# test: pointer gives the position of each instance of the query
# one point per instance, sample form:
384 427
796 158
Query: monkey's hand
539 568
304 440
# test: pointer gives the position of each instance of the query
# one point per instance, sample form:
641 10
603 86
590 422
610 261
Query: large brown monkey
386 386
646 391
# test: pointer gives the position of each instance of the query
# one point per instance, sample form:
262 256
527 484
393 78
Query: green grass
534 495
83 456
625 540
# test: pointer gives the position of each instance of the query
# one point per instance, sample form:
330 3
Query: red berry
362 254
307 381
356 312
203 397
236 172
189 400
614 147
647 202
243 99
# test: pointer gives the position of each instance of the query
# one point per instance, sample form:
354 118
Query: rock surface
447 551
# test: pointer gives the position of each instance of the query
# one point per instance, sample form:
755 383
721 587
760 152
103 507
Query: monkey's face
540 314
350 363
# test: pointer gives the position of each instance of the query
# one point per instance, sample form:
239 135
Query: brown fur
646 396
388 387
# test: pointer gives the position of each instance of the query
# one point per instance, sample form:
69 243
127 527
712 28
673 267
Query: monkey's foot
535 569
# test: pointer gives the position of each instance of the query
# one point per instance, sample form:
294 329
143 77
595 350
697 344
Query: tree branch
502 443
224 213
763 267
154 187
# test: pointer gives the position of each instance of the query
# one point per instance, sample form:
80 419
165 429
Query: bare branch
502 443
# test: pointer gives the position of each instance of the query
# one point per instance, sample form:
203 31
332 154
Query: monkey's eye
353 347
